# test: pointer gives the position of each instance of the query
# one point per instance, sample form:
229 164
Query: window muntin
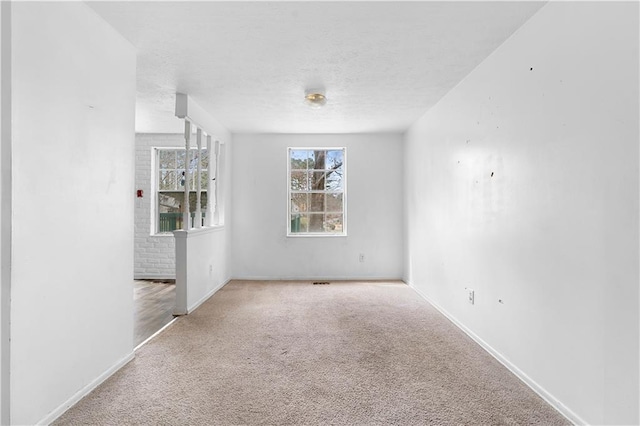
316 187
170 180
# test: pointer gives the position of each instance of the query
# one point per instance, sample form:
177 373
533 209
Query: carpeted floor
285 353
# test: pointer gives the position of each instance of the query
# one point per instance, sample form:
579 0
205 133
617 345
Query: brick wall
154 255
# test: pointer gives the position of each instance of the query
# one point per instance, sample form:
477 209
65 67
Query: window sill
181 233
316 235
205 229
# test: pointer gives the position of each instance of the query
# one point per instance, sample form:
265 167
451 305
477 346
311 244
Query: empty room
348 213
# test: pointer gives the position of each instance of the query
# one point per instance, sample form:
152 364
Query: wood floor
153 307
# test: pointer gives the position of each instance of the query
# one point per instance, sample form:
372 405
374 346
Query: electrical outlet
361 257
210 270
471 296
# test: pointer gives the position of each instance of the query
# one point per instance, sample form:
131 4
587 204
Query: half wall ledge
197 252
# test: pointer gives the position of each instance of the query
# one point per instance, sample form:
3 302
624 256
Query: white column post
210 183
186 215
198 217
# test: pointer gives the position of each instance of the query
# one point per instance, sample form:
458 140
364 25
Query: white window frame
155 187
344 193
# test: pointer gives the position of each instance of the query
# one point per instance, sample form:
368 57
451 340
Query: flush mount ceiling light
315 100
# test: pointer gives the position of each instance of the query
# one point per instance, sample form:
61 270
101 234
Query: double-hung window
170 176
317 191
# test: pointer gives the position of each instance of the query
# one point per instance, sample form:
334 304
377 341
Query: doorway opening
153 304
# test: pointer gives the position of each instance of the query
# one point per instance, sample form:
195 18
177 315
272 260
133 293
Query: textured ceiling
382 64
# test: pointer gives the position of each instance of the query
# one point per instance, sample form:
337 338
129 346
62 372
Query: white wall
73 194
154 254
202 267
5 207
260 247
522 183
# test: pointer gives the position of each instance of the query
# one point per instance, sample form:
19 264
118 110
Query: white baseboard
205 297
307 279
543 393
51 417
154 277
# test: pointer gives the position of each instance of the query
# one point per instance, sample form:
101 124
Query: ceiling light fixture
315 100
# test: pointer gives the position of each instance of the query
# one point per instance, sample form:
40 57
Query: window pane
167 180
205 159
317 181
166 159
193 161
299 223
299 203
316 222
318 160
170 211
299 181
316 203
333 203
299 159
333 223
334 180
334 159
170 202
180 159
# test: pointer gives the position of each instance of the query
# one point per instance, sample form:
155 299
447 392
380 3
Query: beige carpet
284 353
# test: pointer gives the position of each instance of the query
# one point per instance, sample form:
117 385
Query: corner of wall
5 208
